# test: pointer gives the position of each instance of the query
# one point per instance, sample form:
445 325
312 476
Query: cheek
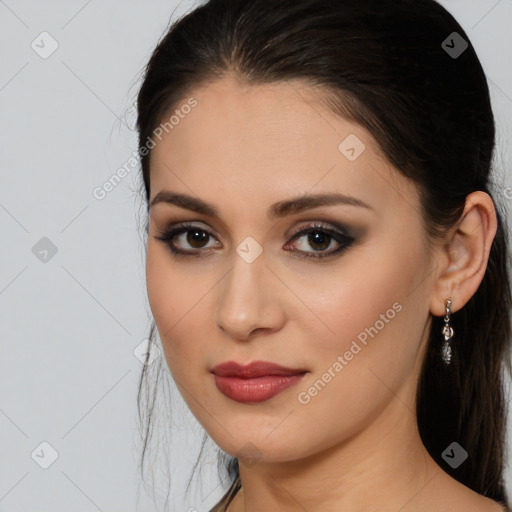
351 300
369 328
179 298
161 288
366 364
168 296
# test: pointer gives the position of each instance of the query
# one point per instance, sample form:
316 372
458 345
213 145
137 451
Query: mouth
255 382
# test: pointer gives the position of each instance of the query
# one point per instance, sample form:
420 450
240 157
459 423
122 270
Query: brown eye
196 238
319 241
319 238
185 239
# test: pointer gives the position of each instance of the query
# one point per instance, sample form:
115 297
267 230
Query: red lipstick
255 382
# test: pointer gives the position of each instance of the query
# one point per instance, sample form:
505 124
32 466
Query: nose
250 300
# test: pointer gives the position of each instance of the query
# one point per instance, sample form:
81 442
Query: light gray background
70 325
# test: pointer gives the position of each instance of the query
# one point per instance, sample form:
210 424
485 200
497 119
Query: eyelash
346 241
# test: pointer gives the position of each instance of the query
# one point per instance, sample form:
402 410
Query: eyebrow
276 210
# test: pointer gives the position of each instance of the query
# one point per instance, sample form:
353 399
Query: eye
317 236
196 238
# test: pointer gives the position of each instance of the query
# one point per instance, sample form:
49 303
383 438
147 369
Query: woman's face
348 303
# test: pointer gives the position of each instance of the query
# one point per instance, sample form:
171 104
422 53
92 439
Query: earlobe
466 253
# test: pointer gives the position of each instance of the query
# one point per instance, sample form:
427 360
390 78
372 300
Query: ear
465 254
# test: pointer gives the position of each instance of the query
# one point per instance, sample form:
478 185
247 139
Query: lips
254 369
255 382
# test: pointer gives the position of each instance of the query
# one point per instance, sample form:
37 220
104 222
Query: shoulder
446 494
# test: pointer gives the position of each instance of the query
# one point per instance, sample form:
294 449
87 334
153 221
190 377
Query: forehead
266 142
258 120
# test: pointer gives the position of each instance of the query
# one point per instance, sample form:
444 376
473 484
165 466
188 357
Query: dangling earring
448 334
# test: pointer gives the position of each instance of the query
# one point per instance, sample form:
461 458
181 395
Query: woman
326 266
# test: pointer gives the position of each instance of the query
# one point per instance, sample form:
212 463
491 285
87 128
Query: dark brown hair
382 64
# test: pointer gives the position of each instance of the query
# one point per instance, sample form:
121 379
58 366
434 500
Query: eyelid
338 229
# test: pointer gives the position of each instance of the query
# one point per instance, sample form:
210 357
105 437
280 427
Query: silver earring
448 334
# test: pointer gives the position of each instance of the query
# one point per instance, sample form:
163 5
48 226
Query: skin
241 149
